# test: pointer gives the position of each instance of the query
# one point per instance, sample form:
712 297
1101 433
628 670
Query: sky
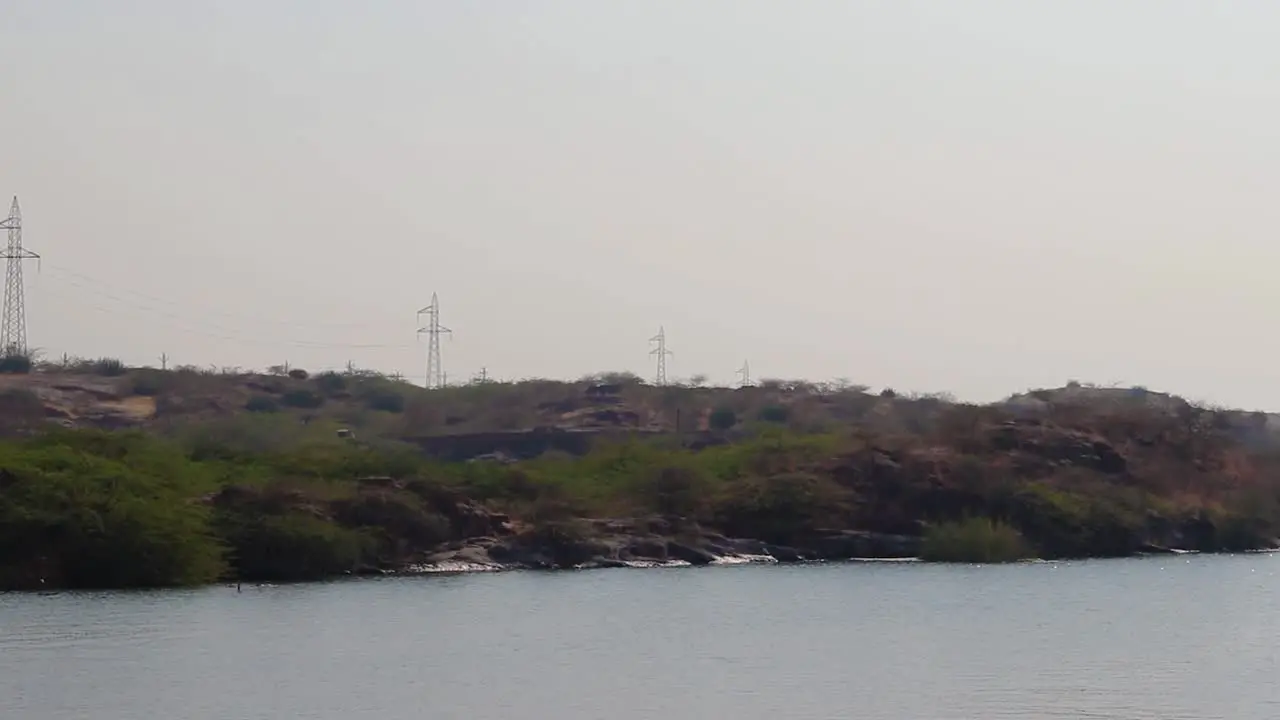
978 197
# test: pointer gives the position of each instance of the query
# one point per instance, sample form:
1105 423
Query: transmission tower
433 329
745 373
13 328
661 352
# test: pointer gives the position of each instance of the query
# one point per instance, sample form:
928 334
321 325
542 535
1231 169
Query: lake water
1174 638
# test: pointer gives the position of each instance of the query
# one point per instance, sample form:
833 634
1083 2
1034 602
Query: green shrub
777 414
1087 521
722 419
780 508
974 540
398 517
291 546
15 365
98 510
304 399
674 490
262 404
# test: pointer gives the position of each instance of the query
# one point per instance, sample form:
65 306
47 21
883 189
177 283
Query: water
1169 638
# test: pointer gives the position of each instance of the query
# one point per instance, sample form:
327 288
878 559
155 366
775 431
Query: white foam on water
452 566
743 559
655 563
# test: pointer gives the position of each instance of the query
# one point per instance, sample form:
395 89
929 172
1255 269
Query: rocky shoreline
487 541
654 542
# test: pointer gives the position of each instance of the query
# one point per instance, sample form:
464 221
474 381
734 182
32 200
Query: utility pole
745 373
435 370
661 352
13 328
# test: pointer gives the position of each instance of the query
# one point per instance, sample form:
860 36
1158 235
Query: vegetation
977 540
15 364
110 367
305 399
289 476
262 404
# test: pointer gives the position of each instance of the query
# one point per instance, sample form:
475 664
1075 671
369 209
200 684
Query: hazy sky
978 196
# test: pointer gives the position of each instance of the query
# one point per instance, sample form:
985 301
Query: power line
193 325
745 374
433 329
13 326
661 351
255 317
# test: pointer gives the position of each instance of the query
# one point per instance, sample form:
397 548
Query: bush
682 491
1087 521
15 365
780 508
298 374
331 382
777 414
974 540
290 546
385 401
149 383
98 510
109 367
261 404
304 399
394 518
722 419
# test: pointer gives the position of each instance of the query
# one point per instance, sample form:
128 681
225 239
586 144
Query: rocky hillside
294 477
369 406
522 419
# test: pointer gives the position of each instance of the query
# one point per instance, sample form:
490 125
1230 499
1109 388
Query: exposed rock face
1059 446
621 543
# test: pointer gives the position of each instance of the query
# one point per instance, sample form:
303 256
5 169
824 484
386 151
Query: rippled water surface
1167 638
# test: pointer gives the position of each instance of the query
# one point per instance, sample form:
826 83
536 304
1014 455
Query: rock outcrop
651 541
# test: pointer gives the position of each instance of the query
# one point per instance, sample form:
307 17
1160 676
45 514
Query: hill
480 418
112 476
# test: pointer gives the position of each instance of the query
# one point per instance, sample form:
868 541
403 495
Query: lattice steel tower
661 351
433 329
13 327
